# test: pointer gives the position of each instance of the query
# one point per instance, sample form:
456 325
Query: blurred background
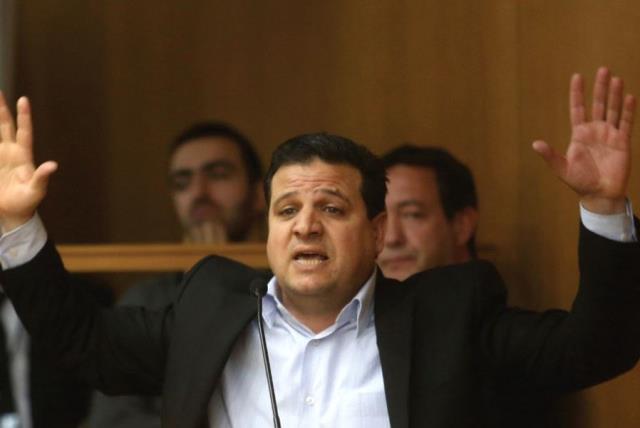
112 82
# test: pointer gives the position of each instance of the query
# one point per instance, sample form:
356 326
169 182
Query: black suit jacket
57 398
445 336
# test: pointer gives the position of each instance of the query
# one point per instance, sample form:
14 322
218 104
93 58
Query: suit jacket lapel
209 318
393 320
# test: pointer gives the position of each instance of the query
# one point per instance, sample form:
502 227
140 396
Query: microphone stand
259 289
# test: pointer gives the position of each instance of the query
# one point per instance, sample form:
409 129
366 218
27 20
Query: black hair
213 129
456 186
333 149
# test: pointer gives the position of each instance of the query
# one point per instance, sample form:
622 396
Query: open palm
598 160
22 186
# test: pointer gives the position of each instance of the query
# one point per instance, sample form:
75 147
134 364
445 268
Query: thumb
41 175
556 162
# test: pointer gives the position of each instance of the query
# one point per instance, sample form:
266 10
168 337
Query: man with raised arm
349 347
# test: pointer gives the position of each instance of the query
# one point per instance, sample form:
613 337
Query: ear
465 223
379 224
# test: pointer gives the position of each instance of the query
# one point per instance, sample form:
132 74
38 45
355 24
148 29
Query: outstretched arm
22 185
598 159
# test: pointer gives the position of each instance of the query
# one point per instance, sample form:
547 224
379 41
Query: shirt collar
359 310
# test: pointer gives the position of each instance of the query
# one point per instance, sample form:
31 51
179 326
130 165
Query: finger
195 234
42 173
7 131
600 94
614 101
221 234
215 233
628 111
208 233
199 233
24 136
187 237
556 162
576 100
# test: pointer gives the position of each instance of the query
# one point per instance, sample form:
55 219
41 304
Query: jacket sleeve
117 351
599 338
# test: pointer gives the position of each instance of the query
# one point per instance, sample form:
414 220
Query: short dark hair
333 149
214 129
456 186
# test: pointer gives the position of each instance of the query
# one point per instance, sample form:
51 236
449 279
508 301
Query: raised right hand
22 186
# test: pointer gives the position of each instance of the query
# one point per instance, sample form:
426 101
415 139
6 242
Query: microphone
258 288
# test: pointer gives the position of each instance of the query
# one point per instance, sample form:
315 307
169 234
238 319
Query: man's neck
317 315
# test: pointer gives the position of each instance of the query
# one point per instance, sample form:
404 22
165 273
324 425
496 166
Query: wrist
605 206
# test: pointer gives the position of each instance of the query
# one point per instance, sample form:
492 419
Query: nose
394 234
307 224
198 185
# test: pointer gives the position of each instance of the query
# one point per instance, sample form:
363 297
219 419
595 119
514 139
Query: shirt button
309 401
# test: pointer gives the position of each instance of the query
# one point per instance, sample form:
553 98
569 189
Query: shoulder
450 285
155 292
216 272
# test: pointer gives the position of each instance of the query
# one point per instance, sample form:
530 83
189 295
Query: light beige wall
112 82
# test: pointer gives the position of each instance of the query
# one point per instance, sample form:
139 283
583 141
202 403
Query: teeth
310 258
310 261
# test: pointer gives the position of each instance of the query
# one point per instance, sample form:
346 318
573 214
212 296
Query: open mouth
310 258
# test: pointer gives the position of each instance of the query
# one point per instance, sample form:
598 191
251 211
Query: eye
180 181
287 211
218 171
413 215
332 209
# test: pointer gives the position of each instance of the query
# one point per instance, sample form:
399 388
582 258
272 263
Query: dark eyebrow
410 203
219 163
215 164
284 196
336 193
330 192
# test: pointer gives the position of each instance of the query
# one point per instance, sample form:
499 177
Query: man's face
419 236
321 243
209 186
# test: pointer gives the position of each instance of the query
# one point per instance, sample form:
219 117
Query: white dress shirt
17 346
329 379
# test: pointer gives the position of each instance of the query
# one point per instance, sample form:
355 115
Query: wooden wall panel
554 42
380 72
61 65
112 82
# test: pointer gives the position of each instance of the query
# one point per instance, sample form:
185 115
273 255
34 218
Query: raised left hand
597 163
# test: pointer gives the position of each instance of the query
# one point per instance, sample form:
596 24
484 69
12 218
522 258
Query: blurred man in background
215 183
432 217
432 211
